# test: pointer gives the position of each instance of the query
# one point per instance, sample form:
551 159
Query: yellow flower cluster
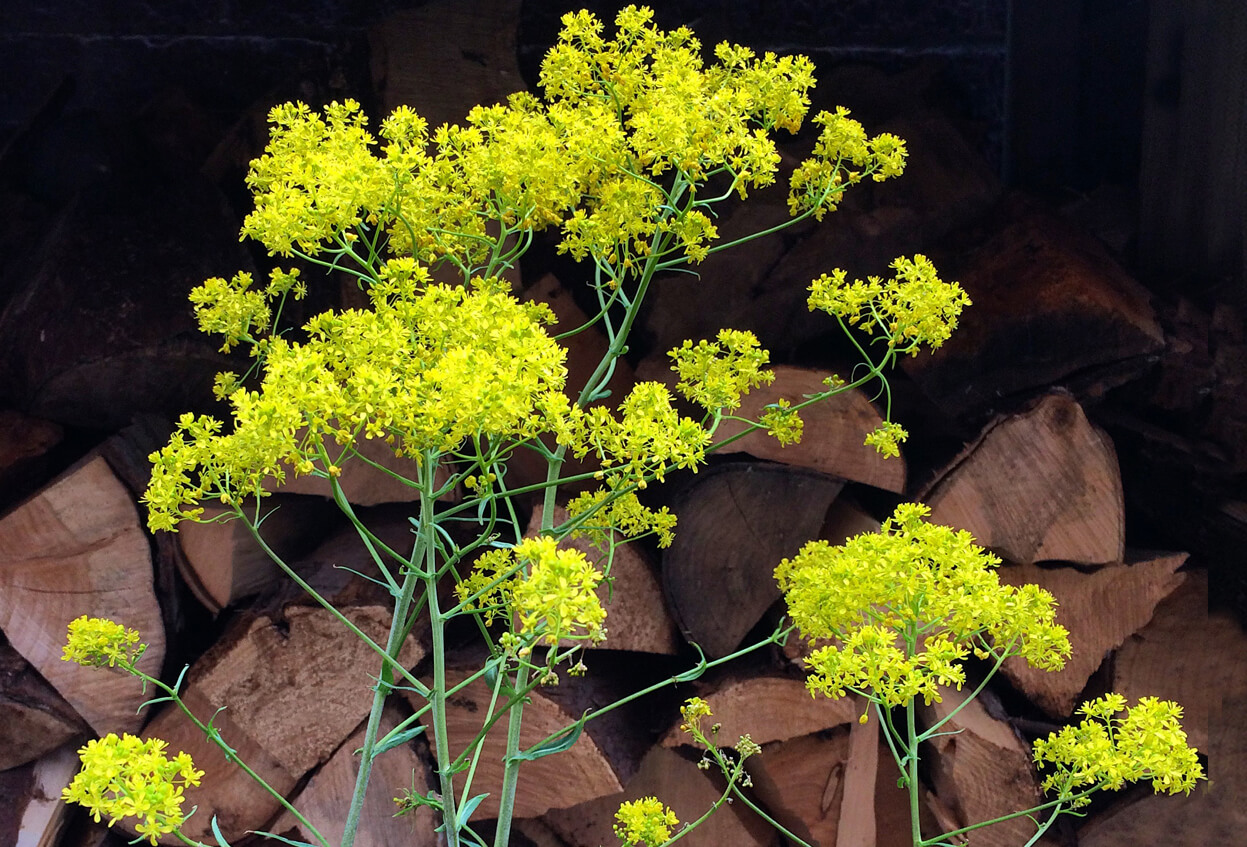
818 182
622 513
906 604
715 374
1114 745
551 590
630 128
96 642
646 821
913 307
647 437
886 439
128 777
423 372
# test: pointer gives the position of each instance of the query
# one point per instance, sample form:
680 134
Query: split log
833 441
222 563
293 689
34 719
981 772
1050 304
1200 660
1039 485
736 522
802 782
76 548
636 610
768 709
558 781
1191 656
45 816
1100 609
327 796
680 785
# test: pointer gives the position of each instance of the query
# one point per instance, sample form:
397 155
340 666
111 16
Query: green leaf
392 741
558 744
216 833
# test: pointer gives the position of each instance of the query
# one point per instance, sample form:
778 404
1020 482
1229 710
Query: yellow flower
96 642
128 777
715 374
646 821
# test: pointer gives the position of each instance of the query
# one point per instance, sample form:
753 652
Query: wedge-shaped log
76 548
1039 485
1101 610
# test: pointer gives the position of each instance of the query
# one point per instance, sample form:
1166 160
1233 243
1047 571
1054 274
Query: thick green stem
437 622
394 644
911 770
511 765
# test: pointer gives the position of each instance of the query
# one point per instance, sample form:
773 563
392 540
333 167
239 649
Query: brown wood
1100 610
34 719
686 790
802 782
1191 656
222 563
76 548
293 690
1039 485
768 709
982 772
636 610
1049 303
46 815
1200 659
833 438
325 799
736 522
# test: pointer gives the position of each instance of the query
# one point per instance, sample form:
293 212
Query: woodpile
1025 387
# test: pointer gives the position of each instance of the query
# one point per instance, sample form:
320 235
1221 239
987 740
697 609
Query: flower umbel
96 642
1114 745
645 821
128 777
905 605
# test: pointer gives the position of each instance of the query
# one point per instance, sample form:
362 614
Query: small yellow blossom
886 439
782 422
96 642
128 777
644 822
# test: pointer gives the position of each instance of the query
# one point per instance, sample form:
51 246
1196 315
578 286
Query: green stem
437 622
394 643
911 770
511 764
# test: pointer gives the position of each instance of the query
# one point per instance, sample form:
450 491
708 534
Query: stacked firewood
1005 445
